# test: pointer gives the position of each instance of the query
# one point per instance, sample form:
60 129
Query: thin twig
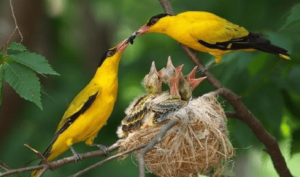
40 155
242 111
43 171
58 163
107 160
3 166
15 20
16 27
151 144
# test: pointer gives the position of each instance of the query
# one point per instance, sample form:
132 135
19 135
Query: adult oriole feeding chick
90 109
207 32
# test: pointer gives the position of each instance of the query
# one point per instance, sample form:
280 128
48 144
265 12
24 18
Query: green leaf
34 61
24 81
1 83
293 17
17 46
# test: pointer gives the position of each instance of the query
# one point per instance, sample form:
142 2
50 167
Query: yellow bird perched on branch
90 109
207 32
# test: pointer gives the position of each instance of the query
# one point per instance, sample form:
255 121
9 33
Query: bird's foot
77 156
203 70
103 148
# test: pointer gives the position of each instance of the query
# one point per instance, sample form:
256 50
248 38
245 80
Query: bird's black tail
270 48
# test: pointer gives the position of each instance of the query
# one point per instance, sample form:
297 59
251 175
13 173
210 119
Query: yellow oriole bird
207 32
90 109
138 108
188 83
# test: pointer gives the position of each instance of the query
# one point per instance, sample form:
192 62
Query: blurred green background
73 35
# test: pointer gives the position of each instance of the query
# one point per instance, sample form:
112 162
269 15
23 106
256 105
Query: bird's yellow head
156 24
115 52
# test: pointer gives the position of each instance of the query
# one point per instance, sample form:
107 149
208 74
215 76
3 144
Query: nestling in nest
198 143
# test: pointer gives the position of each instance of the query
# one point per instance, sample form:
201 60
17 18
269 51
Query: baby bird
188 83
170 75
137 110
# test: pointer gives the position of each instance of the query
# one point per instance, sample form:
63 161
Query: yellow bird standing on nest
207 32
90 109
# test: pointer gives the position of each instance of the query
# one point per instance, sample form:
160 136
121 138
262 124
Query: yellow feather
207 32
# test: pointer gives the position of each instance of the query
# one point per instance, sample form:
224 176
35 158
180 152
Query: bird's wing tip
285 56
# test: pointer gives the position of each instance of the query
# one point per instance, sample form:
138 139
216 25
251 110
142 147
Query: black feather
155 19
251 41
71 119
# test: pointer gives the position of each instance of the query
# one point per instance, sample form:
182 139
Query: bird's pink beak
192 74
179 69
142 30
191 78
159 73
122 45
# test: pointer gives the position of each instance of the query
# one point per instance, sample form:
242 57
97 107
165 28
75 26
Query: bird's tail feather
269 48
46 154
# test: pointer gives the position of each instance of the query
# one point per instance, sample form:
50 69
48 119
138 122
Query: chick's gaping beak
169 63
179 69
195 82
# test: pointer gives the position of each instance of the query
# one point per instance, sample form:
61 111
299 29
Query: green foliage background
270 86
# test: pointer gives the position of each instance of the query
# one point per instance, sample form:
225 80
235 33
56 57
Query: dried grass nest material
198 143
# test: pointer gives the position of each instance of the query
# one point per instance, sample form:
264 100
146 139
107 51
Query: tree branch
107 160
151 144
242 111
231 114
61 162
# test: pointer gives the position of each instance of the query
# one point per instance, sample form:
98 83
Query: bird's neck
108 71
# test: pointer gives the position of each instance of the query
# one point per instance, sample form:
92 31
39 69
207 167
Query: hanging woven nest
198 143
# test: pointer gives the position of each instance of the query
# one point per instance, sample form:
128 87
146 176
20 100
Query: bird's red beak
178 69
142 30
122 45
159 73
191 78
